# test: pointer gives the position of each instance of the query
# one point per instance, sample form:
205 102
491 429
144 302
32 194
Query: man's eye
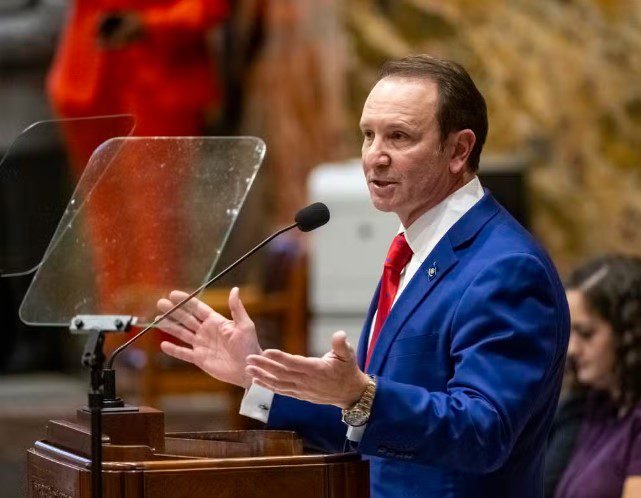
397 135
368 135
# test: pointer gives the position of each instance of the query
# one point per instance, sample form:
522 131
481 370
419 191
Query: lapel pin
431 271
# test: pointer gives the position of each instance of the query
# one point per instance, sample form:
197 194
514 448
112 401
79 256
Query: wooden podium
140 460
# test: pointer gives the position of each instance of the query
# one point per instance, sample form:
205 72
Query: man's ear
462 143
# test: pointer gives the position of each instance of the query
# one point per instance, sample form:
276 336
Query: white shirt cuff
256 403
355 434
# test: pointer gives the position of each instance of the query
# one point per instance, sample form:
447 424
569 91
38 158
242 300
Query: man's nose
375 154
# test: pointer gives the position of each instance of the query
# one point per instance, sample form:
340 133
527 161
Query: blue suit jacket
469 366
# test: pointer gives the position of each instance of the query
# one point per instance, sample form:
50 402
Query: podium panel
234 464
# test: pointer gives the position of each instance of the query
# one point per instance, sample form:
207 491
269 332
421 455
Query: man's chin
383 204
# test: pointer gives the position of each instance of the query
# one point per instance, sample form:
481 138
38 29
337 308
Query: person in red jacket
150 59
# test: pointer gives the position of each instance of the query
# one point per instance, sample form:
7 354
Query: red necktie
398 256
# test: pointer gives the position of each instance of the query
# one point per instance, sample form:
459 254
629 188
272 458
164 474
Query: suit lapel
361 352
427 277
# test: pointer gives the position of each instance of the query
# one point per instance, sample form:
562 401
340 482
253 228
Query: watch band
359 414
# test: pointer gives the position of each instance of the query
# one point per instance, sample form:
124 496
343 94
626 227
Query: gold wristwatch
358 415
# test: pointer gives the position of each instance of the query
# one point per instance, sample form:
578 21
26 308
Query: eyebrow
395 124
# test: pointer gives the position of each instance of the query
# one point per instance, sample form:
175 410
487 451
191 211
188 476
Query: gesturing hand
215 344
334 379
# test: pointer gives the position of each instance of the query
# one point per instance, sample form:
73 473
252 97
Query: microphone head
311 217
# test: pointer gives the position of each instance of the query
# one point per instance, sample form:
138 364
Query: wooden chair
282 306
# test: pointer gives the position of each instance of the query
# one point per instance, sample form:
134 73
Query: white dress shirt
422 236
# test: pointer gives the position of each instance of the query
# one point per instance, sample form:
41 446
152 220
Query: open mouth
381 183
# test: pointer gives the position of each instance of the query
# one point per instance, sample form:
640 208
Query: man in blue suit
456 378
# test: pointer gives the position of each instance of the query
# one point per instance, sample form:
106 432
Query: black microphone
311 217
307 219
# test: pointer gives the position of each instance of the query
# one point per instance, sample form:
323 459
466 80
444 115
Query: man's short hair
460 104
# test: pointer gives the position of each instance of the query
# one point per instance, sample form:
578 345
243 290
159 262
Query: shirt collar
423 235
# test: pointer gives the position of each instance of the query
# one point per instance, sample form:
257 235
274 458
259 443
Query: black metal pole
94 358
95 405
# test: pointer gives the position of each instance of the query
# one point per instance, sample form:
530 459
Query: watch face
355 418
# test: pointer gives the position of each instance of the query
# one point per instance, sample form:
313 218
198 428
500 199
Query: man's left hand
334 379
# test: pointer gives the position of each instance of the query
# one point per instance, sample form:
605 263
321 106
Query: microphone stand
94 357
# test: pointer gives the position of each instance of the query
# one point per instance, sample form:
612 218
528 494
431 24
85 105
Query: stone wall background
563 84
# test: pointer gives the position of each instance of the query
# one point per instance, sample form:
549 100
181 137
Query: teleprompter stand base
140 460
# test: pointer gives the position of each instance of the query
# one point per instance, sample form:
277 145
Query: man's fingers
194 306
262 375
293 362
178 331
276 369
182 353
238 312
179 315
177 295
340 347
164 305
269 379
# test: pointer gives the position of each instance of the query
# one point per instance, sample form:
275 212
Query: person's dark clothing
563 437
608 451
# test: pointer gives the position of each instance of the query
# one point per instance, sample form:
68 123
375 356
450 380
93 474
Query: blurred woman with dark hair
605 351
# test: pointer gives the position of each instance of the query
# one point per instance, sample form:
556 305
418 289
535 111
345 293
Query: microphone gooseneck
307 219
